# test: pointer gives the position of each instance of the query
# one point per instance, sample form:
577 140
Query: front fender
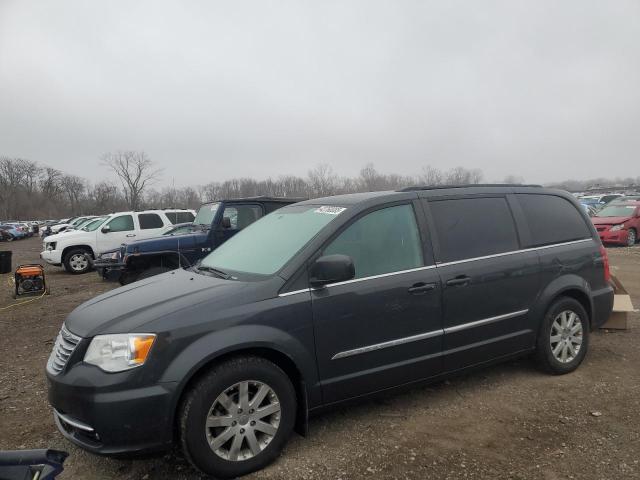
242 338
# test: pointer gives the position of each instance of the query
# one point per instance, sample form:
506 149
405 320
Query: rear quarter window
185 217
552 219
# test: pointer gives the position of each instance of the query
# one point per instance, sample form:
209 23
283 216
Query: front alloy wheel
631 237
237 417
243 420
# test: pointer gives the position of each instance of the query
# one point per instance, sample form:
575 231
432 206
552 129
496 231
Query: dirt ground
509 421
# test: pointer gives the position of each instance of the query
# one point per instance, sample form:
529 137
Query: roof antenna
179 254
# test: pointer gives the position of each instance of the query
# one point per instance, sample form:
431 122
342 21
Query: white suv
76 249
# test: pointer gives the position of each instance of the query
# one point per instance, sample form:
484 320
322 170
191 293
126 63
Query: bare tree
430 176
135 171
322 181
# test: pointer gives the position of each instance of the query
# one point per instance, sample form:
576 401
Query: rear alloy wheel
632 236
564 337
238 417
77 261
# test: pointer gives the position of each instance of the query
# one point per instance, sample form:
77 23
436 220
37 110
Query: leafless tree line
31 191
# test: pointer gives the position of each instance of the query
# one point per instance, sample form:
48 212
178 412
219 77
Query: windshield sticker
330 210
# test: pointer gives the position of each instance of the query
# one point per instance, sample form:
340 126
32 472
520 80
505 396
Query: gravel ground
508 421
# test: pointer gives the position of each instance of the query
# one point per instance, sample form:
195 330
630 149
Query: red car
619 223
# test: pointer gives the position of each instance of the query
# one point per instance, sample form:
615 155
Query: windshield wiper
219 273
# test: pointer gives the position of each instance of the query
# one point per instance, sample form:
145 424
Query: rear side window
184 217
150 220
123 223
552 219
383 241
473 227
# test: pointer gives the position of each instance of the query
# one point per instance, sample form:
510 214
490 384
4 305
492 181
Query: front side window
265 246
383 241
123 223
473 227
184 217
241 216
94 224
149 221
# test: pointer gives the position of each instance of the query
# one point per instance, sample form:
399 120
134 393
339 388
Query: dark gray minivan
321 302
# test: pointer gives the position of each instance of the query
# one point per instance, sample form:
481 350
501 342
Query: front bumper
111 414
109 269
618 237
53 257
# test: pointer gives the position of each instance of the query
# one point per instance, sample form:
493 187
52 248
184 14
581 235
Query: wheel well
581 297
87 248
278 358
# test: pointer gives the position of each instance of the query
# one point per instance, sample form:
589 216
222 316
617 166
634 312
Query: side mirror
226 222
106 229
331 269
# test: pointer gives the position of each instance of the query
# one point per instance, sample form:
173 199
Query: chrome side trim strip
295 292
484 321
74 423
390 343
444 264
504 254
382 275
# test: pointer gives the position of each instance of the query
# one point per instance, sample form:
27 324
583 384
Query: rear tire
563 339
225 436
77 261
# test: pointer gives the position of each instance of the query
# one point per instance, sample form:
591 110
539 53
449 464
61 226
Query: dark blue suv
184 244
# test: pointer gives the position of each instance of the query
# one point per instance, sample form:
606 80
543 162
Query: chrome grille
66 343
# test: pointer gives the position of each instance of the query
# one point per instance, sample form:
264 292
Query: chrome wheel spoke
576 328
556 351
243 396
252 441
226 402
563 355
257 399
265 427
216 421
555 339
268 410
234 450
222 438
577 340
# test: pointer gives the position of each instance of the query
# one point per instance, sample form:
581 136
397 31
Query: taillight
605 263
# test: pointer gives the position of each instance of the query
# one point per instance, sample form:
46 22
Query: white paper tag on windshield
330 210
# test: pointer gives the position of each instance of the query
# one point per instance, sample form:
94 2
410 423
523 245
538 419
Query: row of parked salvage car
130 246
13 230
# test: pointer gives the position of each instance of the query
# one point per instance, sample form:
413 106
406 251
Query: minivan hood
609 220
127 309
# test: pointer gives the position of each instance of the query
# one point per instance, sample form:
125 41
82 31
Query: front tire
563 339
632 237
238 417
77 261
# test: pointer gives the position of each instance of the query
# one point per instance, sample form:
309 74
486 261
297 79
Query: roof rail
471 185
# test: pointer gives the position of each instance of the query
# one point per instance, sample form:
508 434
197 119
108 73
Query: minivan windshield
617 211
265 246
206 213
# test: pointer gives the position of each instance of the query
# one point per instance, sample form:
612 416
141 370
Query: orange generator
29 280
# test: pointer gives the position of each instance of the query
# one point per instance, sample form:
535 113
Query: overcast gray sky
546 90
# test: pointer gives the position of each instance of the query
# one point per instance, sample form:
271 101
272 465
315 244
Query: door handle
420 288
459 281
131 234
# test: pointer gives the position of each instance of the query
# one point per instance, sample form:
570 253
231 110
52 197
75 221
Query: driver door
121 230
384 327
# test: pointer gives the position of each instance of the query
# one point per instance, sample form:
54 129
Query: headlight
119 352
615 228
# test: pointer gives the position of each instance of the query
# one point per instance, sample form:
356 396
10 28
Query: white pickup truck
75 250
